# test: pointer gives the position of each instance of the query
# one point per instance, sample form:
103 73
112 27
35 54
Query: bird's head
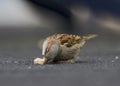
50 48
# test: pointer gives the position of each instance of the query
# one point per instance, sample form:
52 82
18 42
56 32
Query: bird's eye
47 50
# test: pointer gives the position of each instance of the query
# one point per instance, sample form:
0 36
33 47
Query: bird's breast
68 52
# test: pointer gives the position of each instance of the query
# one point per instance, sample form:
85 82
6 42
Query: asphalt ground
97 65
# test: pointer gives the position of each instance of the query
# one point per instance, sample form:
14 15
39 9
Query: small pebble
8 61
99 58
113 61
15 62
116 57
29 67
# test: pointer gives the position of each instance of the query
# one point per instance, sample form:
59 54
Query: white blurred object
19 13
83 17
116 57
16 13
110 22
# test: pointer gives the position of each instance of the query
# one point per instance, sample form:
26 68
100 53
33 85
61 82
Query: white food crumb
39 61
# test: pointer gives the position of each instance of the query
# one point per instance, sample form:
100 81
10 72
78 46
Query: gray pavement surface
98 63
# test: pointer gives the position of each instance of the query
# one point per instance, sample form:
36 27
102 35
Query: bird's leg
49 61
67 61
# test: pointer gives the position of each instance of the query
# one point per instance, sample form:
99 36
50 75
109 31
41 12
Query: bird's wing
68 39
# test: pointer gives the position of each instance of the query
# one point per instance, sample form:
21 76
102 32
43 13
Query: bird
62 48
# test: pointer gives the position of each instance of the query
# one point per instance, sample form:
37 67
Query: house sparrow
62 48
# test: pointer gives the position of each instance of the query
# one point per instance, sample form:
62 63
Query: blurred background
24 22
27 21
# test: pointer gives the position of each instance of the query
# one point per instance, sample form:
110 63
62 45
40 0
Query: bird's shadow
80 62
86 62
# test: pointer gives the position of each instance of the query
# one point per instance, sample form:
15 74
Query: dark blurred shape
53 5
87 15
57 7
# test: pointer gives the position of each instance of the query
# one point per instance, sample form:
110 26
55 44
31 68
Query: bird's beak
45 59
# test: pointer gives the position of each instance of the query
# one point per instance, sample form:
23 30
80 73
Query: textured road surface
97 65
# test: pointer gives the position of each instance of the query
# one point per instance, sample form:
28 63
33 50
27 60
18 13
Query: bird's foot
67 62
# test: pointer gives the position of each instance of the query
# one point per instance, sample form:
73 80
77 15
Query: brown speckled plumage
63 47
67 39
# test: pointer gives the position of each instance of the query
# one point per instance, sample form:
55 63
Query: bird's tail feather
90 36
